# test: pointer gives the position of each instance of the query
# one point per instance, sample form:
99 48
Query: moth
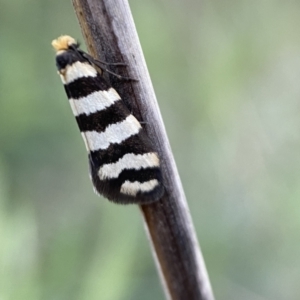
124 168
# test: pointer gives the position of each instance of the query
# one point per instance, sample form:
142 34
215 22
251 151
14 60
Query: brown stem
110 34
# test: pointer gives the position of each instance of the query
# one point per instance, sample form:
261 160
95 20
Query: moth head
63 43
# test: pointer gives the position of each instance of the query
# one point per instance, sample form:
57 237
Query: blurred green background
226 75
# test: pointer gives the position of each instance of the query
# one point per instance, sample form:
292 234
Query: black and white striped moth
123 165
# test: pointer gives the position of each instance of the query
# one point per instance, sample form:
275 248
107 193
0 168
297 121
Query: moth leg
100 64
110 64
119 76
98 61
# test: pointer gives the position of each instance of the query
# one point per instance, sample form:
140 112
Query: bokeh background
227 75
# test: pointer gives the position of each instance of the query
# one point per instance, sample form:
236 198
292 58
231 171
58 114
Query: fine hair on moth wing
124 166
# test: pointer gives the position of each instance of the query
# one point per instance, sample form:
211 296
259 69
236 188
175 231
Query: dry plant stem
110 34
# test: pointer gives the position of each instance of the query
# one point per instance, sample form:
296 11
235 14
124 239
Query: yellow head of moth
63 43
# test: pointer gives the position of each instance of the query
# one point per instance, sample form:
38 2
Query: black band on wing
84 86
100 120
136 144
